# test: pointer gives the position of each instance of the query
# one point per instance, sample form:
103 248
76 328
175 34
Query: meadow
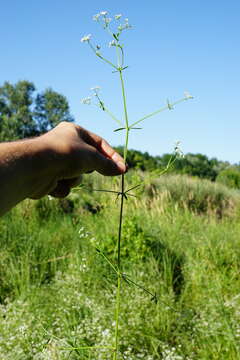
180 241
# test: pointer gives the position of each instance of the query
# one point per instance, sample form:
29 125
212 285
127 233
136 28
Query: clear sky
174 46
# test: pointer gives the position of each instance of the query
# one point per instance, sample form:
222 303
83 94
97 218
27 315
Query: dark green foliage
24 114
191 164
230 177
50 109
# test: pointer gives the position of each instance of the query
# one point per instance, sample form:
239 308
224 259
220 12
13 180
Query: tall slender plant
115 27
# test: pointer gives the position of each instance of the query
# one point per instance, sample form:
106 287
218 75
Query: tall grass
57 293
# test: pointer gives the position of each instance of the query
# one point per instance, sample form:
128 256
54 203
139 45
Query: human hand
69 151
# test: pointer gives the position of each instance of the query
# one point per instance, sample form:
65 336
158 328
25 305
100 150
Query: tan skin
53 163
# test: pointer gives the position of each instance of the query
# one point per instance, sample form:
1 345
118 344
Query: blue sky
174 46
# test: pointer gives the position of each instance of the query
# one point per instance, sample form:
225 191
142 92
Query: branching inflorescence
115 27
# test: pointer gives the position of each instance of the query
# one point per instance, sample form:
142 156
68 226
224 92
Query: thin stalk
106 60
108 261
120 223
118 57
117 311
101 57
126 145
118 294
158 111
104 108
89 348
112 116
124 98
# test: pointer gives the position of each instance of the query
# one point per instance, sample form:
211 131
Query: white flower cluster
124 26
86 101
103 15
177 149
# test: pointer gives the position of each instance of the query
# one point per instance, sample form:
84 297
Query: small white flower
187 95
86 38
117 17
98 47
108 20
177 149
86 101
103 13
112 43
95 88
96 17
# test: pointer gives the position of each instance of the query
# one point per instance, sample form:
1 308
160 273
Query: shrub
229 177
199 196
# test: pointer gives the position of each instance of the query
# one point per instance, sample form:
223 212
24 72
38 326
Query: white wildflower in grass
86 38
118 16
103 13
86 101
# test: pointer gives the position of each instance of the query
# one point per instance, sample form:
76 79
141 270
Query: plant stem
124 98
117 316
158 111
117 311
120 223
118 295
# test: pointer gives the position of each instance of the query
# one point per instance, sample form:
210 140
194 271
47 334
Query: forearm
52 163
22 166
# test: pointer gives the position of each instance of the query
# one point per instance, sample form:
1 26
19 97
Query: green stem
89 348
106 60
101 57
126 145
102 106
117 311
124 98
120 223
157 112
112 116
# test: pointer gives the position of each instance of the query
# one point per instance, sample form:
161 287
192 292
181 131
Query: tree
24 114
16 118
50 109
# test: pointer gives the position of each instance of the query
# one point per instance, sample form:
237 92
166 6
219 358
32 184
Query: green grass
58 293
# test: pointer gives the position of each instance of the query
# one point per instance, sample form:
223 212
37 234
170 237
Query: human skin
53 163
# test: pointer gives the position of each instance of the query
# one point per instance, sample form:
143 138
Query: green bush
229 177
198 196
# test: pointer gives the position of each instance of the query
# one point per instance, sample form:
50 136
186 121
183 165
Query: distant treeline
192 164
25 113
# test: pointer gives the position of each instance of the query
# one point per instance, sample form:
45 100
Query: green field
181 240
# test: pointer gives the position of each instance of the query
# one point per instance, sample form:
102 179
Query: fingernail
121 166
